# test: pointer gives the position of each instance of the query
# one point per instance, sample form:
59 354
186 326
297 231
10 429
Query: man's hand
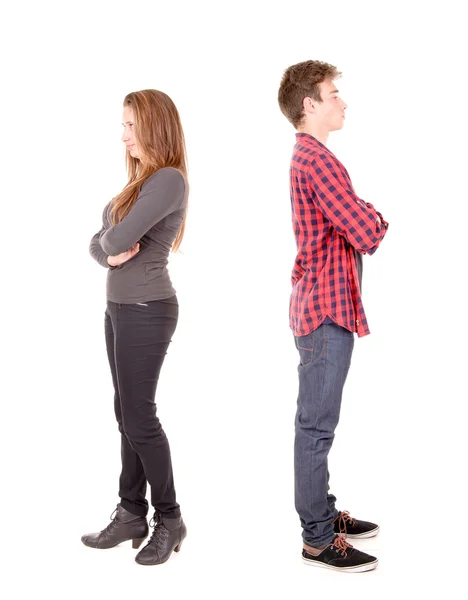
115 261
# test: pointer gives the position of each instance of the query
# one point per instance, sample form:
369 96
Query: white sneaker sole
356 569
367 534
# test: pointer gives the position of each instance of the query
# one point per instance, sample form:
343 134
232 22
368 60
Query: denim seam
311 350
322 385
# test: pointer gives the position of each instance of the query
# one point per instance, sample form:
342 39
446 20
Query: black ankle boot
168 535
124 526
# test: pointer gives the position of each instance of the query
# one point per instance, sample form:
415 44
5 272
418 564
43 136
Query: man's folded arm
357 221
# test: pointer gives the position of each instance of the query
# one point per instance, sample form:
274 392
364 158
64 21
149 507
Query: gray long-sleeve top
154 221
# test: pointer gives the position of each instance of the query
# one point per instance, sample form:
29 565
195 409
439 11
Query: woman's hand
115 261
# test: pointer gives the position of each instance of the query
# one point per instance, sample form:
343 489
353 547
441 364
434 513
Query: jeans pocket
305 347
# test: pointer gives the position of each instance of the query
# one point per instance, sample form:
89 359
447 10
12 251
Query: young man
333 228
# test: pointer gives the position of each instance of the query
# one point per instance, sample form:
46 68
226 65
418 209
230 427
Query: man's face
330 113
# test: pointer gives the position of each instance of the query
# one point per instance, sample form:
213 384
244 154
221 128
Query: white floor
224 568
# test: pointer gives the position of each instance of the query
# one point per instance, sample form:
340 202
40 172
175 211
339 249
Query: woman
140 226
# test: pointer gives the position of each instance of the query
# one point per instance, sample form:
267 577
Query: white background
228 388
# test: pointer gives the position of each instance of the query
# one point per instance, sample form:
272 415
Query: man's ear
308 105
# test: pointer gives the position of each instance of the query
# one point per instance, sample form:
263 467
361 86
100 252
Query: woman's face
128 137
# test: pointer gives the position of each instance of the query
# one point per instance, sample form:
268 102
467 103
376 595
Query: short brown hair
301 81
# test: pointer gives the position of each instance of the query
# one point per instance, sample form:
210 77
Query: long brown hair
300 81
161 143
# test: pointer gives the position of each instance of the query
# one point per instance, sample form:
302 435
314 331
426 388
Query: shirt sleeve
95 248
96 251
160 195
362 226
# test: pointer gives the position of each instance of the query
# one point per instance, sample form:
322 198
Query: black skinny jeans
137 339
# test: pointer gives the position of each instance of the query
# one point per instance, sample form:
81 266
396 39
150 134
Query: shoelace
341 545
343 518
111 525
159 534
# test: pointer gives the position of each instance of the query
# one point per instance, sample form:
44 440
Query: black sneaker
339 555
353 528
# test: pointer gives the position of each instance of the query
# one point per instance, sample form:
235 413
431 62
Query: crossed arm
358 221
160 195
95 248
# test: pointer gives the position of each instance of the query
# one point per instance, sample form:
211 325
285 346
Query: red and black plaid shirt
330 222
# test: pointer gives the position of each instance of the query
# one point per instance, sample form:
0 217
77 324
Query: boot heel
137 543
178 547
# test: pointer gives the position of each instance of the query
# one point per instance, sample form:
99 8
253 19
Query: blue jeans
325 357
